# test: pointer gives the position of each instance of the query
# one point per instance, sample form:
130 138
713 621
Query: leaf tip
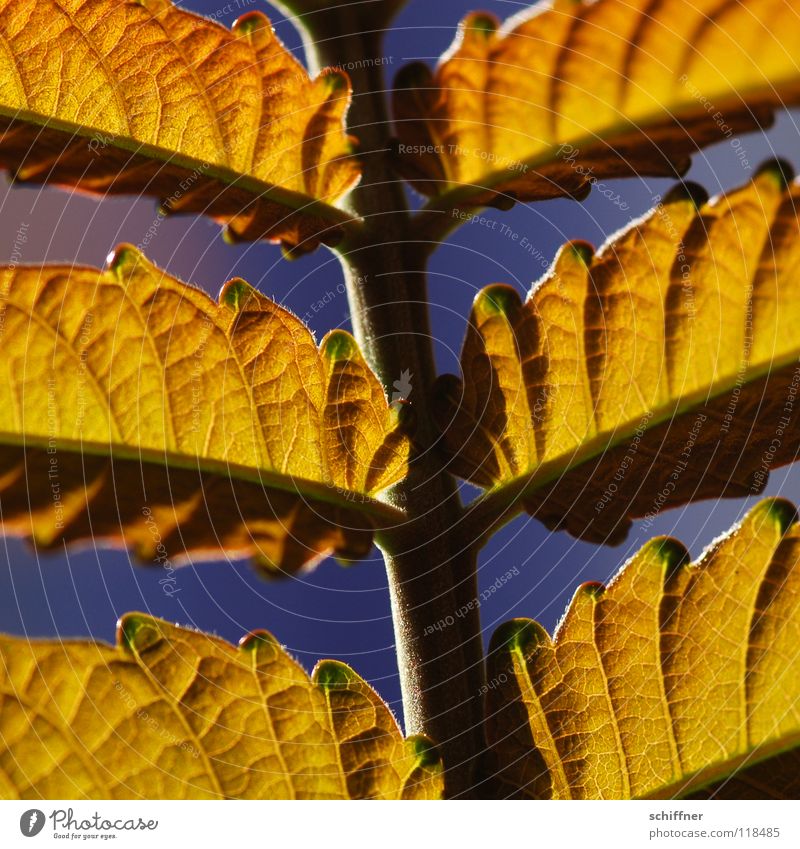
424 751
499 299
335 80
581 191
231 237
779 510
581 251
777 169
259 643
250 24
593 590
236 293
687 190
339 345
523 635
268 568
137 632
123 259
480 25
670 552
344 561
291 251
153 6
333 675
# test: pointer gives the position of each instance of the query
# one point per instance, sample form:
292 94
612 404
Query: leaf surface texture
677 679
659 370
147 98
173 713
137 409
574 91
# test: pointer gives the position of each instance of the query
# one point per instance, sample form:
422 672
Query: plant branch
432 573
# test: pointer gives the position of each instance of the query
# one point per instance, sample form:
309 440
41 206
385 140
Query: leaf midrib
296 201
539 476
725 769
351 500
457 193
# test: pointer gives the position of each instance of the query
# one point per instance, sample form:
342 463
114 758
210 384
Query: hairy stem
432 573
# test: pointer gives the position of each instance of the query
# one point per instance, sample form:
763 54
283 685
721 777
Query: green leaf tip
137 632
123 259
259 643
339 345
779 170
335 80
344 561
522 635
267 568
236 293
580 250
671 553
481 24
591 589
333 675
291 252
231 237
424 750
250 23
779 510
499 299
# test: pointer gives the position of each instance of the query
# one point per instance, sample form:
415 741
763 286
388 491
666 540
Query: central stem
432 573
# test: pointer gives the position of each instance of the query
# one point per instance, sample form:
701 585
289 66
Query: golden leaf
137 409
376 761
660 370
576 90
146 98
677 679
174 713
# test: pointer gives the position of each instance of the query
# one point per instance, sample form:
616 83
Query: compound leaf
660 370
146 98
174 713
137 409
576 90
678 679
